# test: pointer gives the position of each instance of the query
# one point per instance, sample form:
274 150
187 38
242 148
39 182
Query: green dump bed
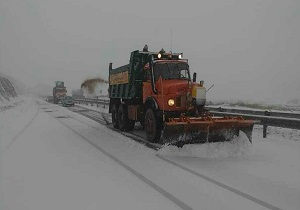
125 82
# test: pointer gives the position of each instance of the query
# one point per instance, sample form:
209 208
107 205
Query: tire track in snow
169 196
22 131
233 190
224 186
94 116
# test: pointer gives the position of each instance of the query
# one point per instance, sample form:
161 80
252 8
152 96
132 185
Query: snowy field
52 158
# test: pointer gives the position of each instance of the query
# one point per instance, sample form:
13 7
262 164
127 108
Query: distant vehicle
68 101
59 92
49 99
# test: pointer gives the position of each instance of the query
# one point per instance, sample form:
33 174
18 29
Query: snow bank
7 90
237 147
19 87
8 95
9 104
285 134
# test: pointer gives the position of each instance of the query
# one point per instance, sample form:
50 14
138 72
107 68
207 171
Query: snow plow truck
59 92
156 89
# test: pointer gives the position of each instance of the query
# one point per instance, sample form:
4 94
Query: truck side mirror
194 77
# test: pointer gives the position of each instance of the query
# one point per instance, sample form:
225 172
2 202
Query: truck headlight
171 102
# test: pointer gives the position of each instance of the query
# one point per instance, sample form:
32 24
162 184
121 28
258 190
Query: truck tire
130 125
121 118
142 122
152 126
114 116
125 124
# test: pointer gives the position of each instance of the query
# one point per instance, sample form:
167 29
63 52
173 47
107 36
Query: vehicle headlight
159 55
171 102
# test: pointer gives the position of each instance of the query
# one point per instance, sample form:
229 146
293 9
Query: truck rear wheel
141 119
125 124
130 125
114 116
152 126
142 122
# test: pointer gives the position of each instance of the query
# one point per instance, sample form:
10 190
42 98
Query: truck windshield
171 71
59 84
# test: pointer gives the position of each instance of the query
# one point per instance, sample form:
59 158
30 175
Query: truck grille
178 101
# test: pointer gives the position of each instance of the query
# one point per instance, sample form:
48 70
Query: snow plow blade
190 130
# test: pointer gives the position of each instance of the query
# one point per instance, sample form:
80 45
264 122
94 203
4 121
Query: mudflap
180 131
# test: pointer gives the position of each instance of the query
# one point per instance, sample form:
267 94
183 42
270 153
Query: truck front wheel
152 126
114 116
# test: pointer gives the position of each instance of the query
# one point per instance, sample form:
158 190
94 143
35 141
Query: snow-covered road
52 158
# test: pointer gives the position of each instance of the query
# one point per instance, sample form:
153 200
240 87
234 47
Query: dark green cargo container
125 82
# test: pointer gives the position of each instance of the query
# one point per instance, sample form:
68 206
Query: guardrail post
97 101
265 131
267 113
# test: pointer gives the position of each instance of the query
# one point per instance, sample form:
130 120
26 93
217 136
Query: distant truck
59 92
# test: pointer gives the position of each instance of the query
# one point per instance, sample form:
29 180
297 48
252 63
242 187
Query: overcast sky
250 49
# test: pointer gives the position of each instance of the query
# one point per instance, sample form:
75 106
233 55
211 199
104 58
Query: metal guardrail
282 122
256 112
92 101
265 118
